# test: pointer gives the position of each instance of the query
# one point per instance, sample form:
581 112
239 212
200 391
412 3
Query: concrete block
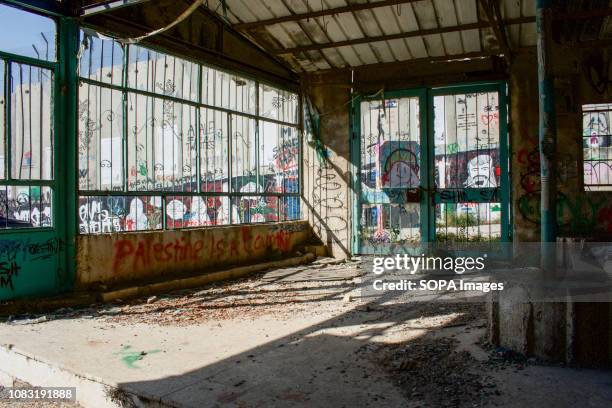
515 317
549 331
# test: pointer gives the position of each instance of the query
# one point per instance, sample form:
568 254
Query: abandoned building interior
150 147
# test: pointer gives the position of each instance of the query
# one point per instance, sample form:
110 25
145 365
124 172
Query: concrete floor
292 337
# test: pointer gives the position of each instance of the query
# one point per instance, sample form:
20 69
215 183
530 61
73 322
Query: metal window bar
228 107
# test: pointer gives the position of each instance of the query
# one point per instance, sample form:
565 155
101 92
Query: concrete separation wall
119 259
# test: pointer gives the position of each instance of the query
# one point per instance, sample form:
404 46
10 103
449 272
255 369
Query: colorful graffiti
578 213
469 169
399 162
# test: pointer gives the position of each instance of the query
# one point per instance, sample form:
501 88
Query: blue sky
19 30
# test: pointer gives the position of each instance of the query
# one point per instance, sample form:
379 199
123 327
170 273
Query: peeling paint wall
116 259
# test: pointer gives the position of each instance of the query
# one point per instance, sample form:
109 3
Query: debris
111 312
37 320
151 299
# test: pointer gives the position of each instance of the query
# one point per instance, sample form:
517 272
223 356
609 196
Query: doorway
432 168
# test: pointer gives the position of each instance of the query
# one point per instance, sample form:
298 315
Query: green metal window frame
55 67
63 204
198 104
586 186
426 126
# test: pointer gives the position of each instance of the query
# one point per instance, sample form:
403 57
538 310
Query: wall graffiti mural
470 169
400 164
25 206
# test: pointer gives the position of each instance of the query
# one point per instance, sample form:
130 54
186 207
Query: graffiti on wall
17 256
328 197
137 254
575 212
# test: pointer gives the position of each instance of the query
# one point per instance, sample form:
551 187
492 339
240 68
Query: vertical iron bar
198 130
547 138
124 120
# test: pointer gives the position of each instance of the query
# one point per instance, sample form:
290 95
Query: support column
547 139
67 99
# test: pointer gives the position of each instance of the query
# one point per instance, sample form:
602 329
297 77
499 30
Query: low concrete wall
118 259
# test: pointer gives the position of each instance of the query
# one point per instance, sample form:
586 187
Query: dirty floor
295 337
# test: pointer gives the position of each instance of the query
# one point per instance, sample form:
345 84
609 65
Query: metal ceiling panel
387 18
368 23
425 13
471 40
453 43
512 9
445 11
467 11
350 55
406 18
435 46
417 47
335 57
383 51
377 22
400 49
365 53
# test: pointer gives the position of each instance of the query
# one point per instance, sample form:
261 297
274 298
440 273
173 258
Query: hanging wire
190 10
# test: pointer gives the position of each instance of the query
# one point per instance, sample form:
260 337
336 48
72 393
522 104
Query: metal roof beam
321 13
106 6
491 8
409 34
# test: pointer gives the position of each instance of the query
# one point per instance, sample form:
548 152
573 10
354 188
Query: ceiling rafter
351 8
491 9
387 37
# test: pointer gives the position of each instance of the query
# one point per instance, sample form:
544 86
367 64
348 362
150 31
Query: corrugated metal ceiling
371 33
